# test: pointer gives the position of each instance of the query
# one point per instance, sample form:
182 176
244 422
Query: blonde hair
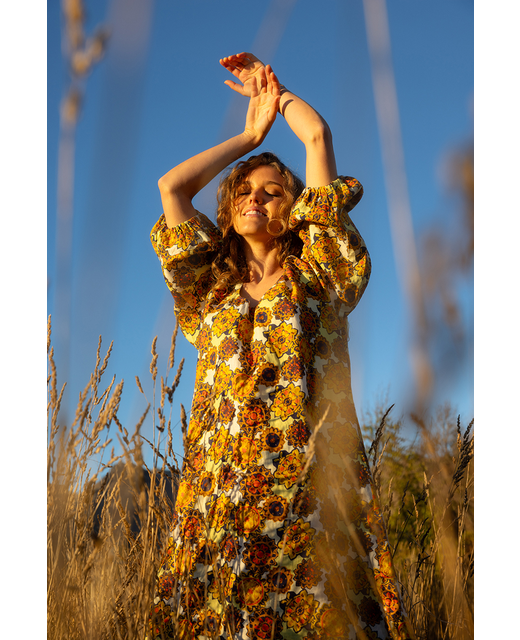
229 266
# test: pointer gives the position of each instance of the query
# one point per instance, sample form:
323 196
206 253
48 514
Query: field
106 525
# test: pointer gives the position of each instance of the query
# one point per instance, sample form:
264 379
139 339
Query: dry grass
108 521
426 492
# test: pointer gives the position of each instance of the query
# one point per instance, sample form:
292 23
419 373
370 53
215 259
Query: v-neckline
253 307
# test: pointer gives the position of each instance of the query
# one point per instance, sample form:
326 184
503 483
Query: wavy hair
229 266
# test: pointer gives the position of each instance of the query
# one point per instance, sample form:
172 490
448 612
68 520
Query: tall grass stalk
109 515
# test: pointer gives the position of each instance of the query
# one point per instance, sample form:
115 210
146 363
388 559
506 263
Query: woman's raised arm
179 186
306 122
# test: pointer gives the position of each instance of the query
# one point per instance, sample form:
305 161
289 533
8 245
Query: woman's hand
264 92
246 67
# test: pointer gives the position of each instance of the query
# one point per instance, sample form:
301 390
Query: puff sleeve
333 247
186 252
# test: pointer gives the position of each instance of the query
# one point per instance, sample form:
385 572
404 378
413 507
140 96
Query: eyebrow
247 182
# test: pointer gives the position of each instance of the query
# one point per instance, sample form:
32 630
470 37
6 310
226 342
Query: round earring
276 227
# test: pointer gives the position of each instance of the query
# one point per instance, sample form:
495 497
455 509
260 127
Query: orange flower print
262 317
300 610
272 439
251 592
183 278
267 374
229 547
226 478
264 625
259 553
228 347
275 508
326 251
226 410
244 330
308 574
279 579
282 339
257 483
206 483
287 401
310 321
253 415
283 309
305 502
293 369
289 467
298 434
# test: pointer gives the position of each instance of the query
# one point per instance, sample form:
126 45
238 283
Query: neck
263 261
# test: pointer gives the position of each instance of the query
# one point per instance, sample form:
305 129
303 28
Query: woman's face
258 200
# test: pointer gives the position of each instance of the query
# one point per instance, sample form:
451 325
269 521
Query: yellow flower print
326 251
248 519
282 339
222 442
300 610
222 378
219 512
289 467
245 451
298 539
224 321
287 401
262 317
243 385
185 495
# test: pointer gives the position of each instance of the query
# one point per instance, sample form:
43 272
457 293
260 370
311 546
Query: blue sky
159 97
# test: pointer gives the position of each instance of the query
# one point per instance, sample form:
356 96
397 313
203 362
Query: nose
255 196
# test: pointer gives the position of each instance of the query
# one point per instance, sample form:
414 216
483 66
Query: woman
277 534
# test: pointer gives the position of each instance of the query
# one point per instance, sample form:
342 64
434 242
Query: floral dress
277 531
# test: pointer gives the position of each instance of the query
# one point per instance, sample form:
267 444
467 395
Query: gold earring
276 227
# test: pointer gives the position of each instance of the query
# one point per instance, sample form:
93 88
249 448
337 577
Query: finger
235 86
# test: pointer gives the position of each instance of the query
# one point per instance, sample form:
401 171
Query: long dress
278 533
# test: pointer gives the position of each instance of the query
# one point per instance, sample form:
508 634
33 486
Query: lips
254 212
